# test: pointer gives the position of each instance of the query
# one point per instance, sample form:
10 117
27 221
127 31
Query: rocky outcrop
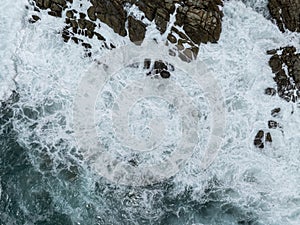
194 21
286 14
285 64
111 13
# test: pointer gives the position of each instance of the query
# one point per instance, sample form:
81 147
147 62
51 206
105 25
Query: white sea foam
264 182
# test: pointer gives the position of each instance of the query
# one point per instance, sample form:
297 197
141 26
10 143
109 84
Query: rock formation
286 14
196 21
285 64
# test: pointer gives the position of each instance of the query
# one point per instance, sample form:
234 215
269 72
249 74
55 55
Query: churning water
44 179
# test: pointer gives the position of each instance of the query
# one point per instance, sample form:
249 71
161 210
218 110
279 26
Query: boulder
136 30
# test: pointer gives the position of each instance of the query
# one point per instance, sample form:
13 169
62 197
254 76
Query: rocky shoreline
195 22
185 24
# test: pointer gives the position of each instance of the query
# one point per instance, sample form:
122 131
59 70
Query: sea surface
45 180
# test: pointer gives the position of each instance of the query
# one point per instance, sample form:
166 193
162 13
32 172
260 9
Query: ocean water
44 178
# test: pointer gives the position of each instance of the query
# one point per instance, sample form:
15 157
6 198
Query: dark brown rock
286 14
81 23
162 18
270 91
47 3
89 25
56 8
158 68
165 74
86 45
204 21
62 3
200 20
76 40
160 65
147 63
40 4
271 52
275 63
99 36
136 30
91 13
172 38
275 112
287 80
66 36
70 14
113 14
82 15
35 18
74 23
258 140
268 138
272 124
55 14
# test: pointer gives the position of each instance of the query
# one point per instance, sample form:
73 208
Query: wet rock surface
194 21
258 140
285 64
286 13
158 69
137 30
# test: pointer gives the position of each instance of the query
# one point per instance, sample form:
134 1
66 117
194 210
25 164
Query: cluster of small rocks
158 68
286 13
196 21
262 137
